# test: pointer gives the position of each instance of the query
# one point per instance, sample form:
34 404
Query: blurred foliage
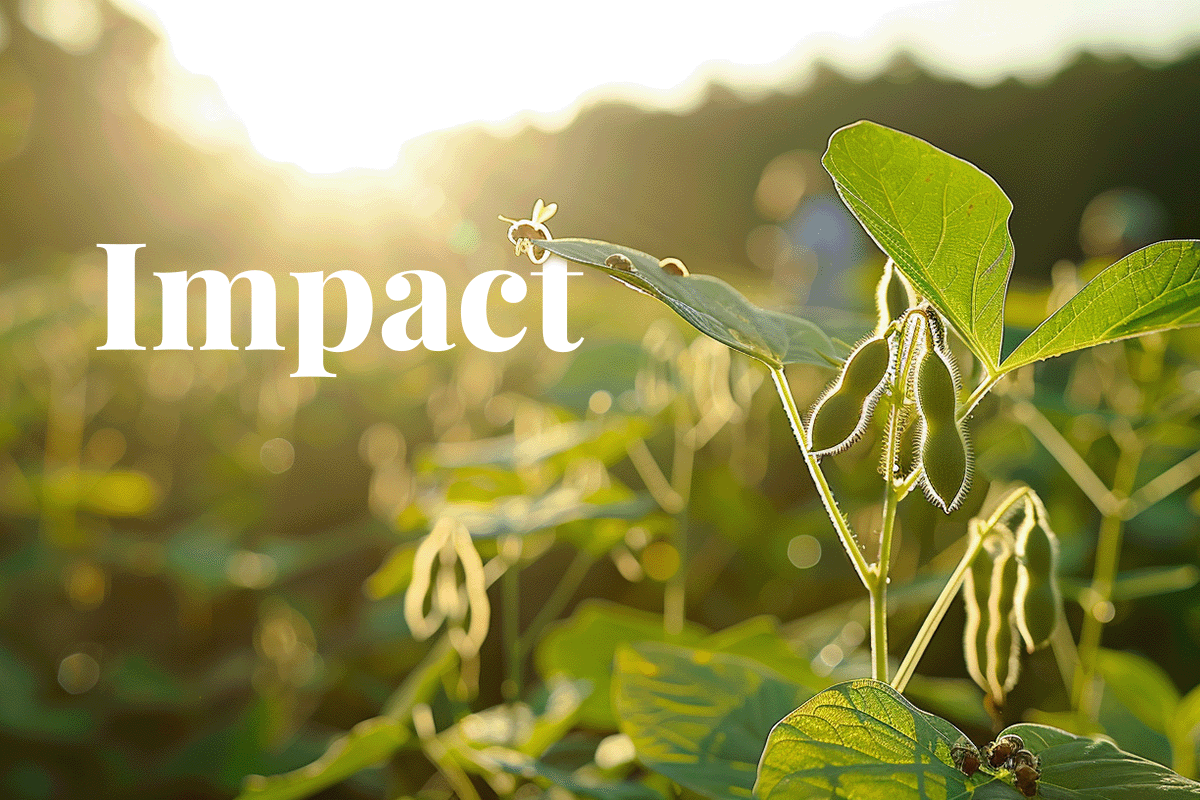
204 561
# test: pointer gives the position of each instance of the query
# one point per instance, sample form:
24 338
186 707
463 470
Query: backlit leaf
941 219
712 306
1154 289
700 717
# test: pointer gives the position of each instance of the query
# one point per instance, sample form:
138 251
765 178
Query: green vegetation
614 574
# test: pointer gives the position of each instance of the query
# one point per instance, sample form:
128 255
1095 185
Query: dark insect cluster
1008 752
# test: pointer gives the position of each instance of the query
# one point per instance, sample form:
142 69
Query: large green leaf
862 740
942 220
699 717
1096 769
714 307
1157 288
1140 685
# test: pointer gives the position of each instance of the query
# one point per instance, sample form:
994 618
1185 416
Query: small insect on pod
944 448
843 411
523 232
1027 769
1000 752
965 757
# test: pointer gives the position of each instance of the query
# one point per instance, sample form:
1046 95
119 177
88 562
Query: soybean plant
943 226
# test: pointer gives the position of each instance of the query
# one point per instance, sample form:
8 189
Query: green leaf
699 717
1154 289
1096 769
710 305
1140 685
760 639
1185 735
367 743
518 515
583 647
861 739
581 782
943 221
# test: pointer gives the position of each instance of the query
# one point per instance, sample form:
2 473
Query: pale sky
337 85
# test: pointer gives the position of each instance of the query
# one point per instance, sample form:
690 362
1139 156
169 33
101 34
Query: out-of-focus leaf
367 743
583 646
509 452
759 639
140 682
699 717
115 493
424 679
1156 288
941 219
581 782
1140 685
520 515
528 728
712 306
601 366
1185 735
957 698
394 574
22 714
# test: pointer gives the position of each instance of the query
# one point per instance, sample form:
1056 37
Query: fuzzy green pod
843 411
976 587
1038 598
989 636
1003 646
893 296
945 450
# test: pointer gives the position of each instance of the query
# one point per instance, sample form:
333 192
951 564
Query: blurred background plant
205 561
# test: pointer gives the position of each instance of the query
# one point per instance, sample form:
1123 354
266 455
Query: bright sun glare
336 86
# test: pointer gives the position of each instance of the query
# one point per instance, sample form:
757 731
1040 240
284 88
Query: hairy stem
849 543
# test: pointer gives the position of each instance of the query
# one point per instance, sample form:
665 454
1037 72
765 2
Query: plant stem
576 571
1097 601
510 589
980 392
891 498
849 543
917 649
682 468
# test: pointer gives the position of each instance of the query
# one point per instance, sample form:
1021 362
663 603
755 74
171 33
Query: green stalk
1104 574
576 571
510 589
891 499
845 535
917 649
